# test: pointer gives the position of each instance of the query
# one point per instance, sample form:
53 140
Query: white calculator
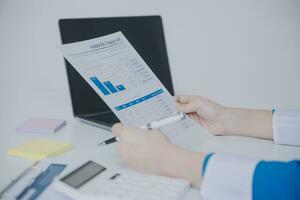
92 181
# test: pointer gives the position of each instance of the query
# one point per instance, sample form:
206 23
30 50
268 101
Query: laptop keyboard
108 118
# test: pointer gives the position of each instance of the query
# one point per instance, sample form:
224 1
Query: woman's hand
152 152
142 150
207 113
218 119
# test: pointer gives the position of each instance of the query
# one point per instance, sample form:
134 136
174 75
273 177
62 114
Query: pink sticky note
41 125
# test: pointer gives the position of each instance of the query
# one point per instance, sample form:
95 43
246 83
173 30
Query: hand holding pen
152 125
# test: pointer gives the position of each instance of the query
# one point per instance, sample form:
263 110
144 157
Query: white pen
177 116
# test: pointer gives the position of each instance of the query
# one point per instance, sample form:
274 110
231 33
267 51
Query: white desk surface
85 138
256 60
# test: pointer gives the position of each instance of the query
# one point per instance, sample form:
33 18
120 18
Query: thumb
186 104
117 129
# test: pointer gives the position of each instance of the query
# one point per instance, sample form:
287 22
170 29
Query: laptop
145 33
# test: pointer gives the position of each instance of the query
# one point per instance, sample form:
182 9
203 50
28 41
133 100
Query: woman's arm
283 126
236 177
152 152
220 176
247 122
222 120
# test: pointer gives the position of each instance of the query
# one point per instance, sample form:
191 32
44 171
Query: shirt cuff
228 177
205 162
286 127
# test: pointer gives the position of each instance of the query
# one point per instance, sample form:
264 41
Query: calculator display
83 174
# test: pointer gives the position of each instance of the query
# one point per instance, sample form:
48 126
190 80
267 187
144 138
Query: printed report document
118 74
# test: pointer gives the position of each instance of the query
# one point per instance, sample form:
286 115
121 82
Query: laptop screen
144 33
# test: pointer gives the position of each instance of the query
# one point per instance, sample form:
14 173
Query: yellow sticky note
40 149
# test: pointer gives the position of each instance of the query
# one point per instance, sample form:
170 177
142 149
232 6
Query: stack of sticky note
40 149
41 125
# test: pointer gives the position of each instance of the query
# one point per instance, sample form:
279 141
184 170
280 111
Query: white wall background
240 53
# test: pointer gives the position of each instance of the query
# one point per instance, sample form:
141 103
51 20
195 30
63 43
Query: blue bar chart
110 87
107 87
120 87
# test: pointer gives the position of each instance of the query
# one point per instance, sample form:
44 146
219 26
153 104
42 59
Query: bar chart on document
118 74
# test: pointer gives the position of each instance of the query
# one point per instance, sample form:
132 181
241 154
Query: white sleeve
286 127
228 178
